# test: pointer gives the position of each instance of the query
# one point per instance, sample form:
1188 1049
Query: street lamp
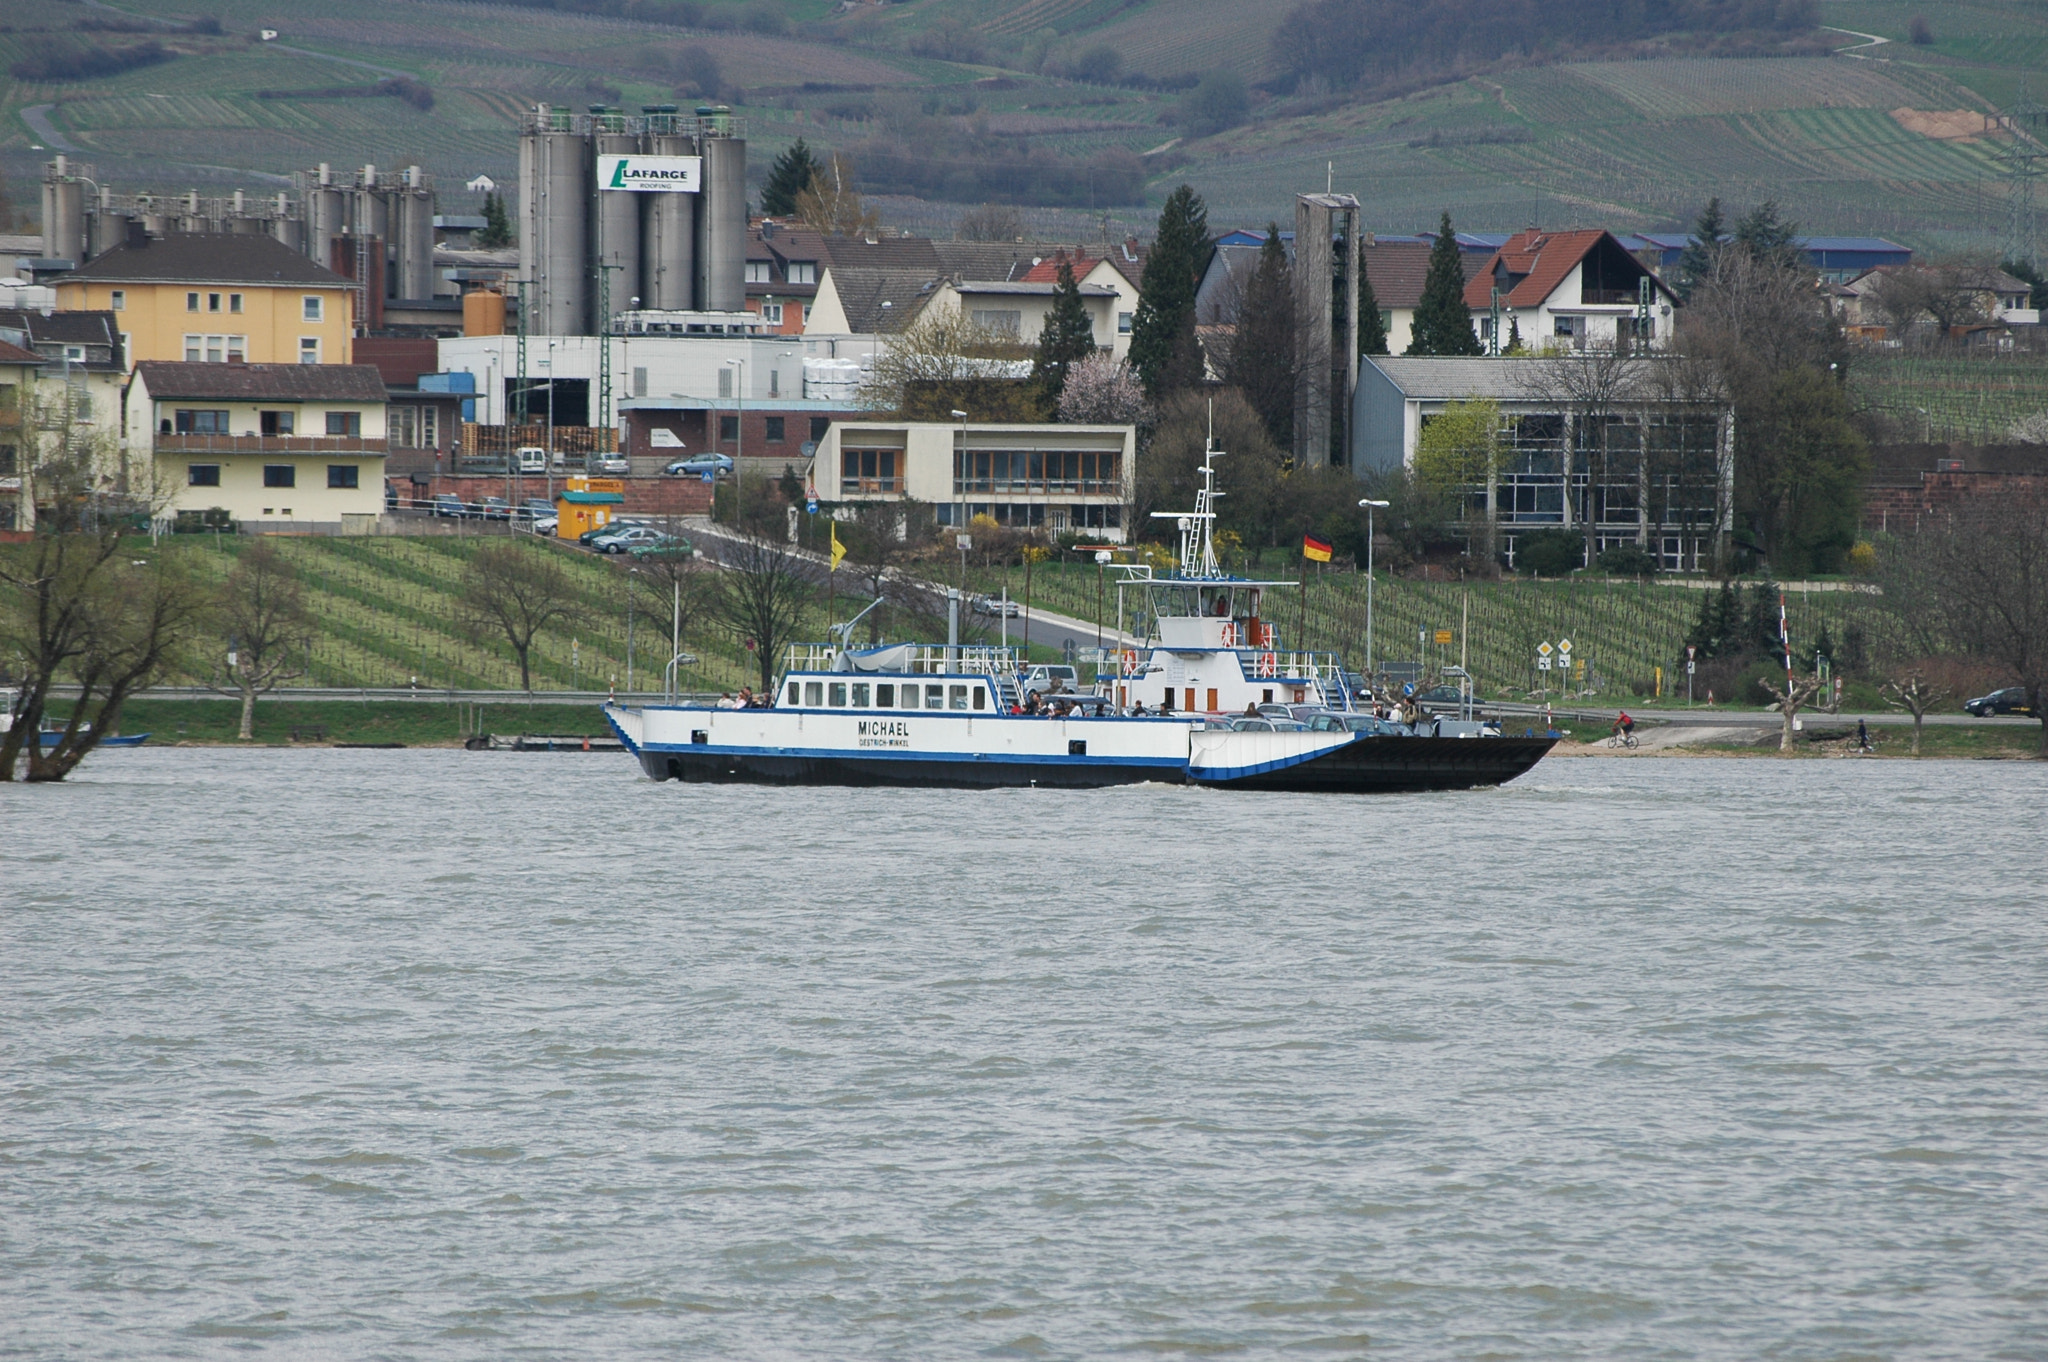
739 443
960 470
1370 506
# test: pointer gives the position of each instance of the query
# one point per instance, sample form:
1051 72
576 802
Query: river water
434 1054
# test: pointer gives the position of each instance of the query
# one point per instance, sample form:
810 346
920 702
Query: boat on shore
1211 698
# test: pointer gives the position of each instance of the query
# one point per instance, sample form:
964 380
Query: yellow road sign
1443 636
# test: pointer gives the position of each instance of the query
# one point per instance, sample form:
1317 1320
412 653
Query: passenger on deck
746 700
1031 702
726 701
1251 710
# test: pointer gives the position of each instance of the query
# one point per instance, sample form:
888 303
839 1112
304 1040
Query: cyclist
1624 727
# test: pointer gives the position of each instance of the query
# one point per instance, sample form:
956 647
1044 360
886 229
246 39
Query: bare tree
1800 690
1592 386
831 206
676 587
78 600
990 222
880 535
760 596
1977 582
261 613
1916 695
944 361
516 589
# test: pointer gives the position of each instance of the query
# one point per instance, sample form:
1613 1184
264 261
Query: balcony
271 445
870 487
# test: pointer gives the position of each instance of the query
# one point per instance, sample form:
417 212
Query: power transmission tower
2023 167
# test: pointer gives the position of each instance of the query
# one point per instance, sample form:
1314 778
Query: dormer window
803 271
760 272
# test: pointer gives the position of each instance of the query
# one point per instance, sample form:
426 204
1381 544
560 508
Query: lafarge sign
651 174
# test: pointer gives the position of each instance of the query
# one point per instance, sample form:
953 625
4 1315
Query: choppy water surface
439 1055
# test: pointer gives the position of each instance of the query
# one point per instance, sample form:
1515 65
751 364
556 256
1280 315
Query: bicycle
1627 740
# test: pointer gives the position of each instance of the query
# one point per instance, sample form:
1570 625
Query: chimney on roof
138 235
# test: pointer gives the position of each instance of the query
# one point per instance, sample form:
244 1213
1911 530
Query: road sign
1689 664
1690 649
966 542
1542 664
1564 645
1443 636
1543 650
811 506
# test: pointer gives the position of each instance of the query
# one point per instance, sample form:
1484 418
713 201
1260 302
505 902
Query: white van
1049 679
533 459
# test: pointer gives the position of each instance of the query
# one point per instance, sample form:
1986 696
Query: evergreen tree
1760 625
1263 363
1372 327
1514 336
789 176
497 228
1710 632
1443 324
1067 337
1696 262
1163 346
1769 239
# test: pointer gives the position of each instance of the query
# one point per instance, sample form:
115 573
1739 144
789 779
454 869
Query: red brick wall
644 496
1903 508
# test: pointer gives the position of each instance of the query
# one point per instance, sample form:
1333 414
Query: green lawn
421 723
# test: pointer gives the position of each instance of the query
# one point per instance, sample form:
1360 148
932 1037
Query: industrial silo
614 221
327 215
63 213
413 235
722 216
285 225
553 249
668 223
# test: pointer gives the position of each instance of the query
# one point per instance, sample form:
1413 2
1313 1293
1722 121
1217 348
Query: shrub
1627 560
1550 553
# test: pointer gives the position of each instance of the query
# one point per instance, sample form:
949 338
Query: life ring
1268 665
1229 634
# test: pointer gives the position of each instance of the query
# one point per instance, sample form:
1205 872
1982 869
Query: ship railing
924 659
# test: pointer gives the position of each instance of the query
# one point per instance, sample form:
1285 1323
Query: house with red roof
1573 290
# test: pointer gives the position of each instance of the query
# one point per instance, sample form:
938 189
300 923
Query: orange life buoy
1267 664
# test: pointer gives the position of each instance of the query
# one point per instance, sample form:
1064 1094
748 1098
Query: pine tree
1514 337
1263 362
1067 337
1443 324
1163 346
1769 239
1696 262
1372 327
789 176
497 228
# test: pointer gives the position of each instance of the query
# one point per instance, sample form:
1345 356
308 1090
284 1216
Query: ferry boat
1181 707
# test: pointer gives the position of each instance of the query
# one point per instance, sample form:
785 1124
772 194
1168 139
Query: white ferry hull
807 747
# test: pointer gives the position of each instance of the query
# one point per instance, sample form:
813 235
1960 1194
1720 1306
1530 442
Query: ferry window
860 695
981 697
814 692
838 695
792 693
958 698
934 697
910 697
885 697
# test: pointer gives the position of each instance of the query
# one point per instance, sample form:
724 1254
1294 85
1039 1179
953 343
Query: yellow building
216 298
18 369
587 504
277 446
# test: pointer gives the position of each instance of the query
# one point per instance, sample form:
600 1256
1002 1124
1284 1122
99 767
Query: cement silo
413 235
327 215
614 221
554 192
284 224
668 223
722 216
63 212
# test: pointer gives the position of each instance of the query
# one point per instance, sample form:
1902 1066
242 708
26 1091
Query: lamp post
1370 506
739 442
960 475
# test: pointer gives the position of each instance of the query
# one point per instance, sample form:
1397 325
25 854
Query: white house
1045 477
1580 290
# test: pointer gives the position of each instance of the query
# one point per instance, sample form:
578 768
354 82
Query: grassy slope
1626 144
424 723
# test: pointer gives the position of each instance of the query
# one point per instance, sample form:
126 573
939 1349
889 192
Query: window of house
238 349
213 302
1123 322
775 427
819 425
343 475
234 302
216 349
311 307
344 423
807 314
9 466
759 272
191 302
771 313
1568 326
868 470
803 271
309 349
728 427
1003 321
427 424
280 475
202 475
75 353
276 422
775 382
191 421
118 300
194 349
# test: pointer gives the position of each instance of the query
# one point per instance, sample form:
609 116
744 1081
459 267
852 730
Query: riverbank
1817 740
327 723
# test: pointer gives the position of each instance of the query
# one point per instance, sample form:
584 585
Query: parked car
532 459
1355 723
613 527
449 505
610 463
535 508
2011 700
633 539
1264 725
672 546
697 465
545 524
1044 679
495 508
996 605
1443 697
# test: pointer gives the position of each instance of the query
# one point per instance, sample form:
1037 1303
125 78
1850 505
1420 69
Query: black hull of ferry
1379 766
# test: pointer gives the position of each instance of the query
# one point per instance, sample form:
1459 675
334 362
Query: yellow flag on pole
838 549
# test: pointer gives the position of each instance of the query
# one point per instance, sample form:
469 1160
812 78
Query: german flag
1314 549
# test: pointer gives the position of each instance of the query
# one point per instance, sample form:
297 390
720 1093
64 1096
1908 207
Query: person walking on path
1862 736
